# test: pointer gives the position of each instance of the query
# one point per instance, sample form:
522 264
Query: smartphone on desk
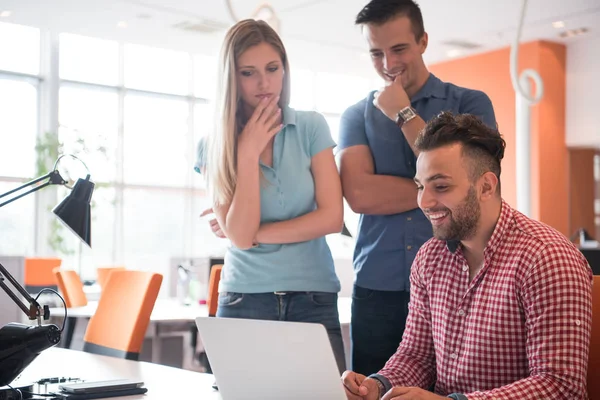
101 386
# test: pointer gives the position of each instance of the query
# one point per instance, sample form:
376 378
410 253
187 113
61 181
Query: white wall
583 88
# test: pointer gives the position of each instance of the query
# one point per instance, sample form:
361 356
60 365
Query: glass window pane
155 141
89 59
334 126
153 226
205 76
89 129
19 48
18 126
156 70
16 220
337 92
303 89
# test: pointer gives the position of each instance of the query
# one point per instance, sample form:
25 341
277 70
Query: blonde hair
221 169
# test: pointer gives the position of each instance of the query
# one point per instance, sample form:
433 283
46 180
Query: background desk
162 382
169 317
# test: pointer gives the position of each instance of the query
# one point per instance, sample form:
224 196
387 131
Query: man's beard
463 220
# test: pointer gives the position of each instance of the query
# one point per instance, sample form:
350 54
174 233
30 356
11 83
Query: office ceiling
456 28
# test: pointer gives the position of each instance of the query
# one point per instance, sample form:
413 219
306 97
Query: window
17 222
336 92
334 127
88 59
205 77
88 120
20 49
302 89
18 126
155 141
154 224
157 70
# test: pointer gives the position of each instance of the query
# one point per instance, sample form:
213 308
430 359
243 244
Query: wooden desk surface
162 382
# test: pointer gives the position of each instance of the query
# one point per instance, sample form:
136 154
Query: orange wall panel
490 73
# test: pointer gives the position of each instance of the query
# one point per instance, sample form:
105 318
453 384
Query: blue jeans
315 307
376 328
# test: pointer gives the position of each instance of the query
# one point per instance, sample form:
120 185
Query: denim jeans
316 307
376 328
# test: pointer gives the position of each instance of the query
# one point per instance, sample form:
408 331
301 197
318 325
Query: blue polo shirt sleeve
200 156
352 127
478 103
320 135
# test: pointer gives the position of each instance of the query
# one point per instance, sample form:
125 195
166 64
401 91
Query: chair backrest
39 273
103 272
71 287
120 322
593 382
212 299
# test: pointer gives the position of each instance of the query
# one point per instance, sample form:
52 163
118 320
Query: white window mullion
46 198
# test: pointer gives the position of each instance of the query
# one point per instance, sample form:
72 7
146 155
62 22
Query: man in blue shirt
377 165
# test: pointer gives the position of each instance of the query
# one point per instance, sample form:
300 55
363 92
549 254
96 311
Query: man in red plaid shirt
500 304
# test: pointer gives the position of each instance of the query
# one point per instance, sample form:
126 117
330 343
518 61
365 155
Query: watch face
408 113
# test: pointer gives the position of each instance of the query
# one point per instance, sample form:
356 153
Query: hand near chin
392 98
260 128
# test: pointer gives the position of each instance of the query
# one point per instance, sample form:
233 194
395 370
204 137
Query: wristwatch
405 115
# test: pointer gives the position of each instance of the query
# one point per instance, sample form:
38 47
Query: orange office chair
212 297
593 383
103 272
39 275
119 325
71 287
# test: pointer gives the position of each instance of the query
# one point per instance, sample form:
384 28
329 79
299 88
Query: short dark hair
482 144
381 11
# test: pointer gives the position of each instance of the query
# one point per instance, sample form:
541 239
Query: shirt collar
289 116
433 87
506 216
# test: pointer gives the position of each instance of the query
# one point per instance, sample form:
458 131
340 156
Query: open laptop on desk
253 359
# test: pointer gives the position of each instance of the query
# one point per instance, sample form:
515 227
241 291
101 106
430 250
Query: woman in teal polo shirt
276 190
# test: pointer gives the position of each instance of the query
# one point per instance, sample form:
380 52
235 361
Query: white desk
162 382
170 311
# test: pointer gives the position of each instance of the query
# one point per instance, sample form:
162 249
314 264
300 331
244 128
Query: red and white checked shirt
519 330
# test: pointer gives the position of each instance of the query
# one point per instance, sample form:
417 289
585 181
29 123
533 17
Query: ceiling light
558 24
453 53
122 24
573 32
5 14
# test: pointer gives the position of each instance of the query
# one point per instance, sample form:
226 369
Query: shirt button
453 356
465 268
409 219
408 247
461 312
577 322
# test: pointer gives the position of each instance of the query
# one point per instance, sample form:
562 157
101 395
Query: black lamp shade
74 210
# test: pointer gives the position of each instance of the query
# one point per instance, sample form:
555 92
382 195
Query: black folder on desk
100 395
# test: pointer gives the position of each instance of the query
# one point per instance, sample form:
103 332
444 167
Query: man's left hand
391 99
411 393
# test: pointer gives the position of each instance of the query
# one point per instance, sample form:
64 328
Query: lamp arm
41 178
33 312
55 179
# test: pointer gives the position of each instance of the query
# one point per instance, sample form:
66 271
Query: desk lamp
20 344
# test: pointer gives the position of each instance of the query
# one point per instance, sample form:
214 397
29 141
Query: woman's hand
260 128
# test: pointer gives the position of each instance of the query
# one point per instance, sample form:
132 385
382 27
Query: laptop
255 359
